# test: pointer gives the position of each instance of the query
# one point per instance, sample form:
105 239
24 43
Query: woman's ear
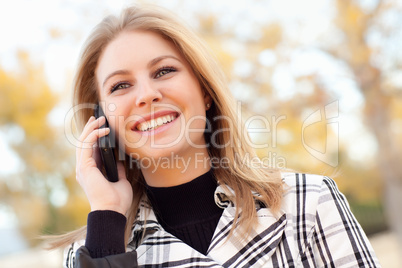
207 101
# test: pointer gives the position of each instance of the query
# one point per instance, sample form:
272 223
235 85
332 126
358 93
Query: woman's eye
119 86
163 71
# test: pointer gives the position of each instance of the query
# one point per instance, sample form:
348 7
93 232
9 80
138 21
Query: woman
185 196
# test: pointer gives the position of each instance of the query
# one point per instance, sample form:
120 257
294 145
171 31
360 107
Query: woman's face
151 96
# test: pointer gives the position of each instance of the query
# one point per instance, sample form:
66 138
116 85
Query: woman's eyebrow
160 58
118 72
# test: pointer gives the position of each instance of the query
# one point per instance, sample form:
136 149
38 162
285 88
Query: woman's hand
101 194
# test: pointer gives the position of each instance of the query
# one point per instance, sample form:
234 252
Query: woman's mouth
155 123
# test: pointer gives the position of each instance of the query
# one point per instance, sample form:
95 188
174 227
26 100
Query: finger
90 126
90 140
91 119
96 155
121 171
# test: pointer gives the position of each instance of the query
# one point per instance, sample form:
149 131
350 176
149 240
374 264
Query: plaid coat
315 228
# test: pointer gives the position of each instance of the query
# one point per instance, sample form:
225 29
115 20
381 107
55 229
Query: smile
156 122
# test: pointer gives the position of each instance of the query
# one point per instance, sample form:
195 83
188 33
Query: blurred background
325 74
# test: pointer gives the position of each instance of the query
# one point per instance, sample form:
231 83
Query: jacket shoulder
309 180
303 192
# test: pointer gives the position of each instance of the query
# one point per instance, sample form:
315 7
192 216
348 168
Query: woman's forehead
135 47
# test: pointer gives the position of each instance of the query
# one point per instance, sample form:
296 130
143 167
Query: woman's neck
175 170
186 203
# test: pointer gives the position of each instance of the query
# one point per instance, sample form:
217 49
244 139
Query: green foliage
371 216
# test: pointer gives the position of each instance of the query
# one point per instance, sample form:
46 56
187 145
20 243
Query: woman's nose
147 94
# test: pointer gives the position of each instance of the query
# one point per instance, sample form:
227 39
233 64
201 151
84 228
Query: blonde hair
237 175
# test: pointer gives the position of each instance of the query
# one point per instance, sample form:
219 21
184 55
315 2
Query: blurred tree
257 55
37 191
382 97
256 63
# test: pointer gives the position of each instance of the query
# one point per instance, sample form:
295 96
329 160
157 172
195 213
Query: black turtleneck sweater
187 211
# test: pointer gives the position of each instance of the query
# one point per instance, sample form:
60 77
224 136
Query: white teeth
154 123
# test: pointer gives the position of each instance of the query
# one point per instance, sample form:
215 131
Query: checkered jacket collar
223 251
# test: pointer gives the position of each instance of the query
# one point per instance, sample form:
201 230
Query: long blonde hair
237 175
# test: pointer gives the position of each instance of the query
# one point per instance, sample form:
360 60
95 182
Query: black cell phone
106 144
